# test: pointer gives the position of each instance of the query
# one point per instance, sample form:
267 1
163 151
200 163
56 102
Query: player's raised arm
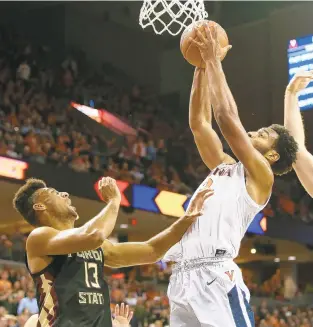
226 113
140 253
200 122
46 240
293 122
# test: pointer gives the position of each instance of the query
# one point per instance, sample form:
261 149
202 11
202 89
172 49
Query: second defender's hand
299 81
122 316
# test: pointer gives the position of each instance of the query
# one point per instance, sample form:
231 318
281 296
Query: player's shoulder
39 231
39 234
263 179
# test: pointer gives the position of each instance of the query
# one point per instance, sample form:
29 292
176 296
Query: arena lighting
106 119
13 168
123 226
291 258
88 111
253 251
276 260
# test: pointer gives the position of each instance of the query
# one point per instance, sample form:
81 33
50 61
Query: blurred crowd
143 288
272 287
35 125
283 316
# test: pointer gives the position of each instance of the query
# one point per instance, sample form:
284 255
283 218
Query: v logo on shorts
230 274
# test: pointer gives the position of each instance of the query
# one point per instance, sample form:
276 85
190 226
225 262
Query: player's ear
272 156
39 207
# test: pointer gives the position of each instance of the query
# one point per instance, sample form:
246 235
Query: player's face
264 139
58 204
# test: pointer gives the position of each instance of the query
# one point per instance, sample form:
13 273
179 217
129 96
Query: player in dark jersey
67 263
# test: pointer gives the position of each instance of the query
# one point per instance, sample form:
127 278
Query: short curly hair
287 148
24 199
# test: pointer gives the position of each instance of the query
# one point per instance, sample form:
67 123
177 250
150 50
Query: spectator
136 174
139 148
28 303
71 65
151 151
23 71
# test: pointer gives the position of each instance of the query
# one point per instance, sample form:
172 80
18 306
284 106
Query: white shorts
209 294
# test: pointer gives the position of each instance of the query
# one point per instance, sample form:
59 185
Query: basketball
190 51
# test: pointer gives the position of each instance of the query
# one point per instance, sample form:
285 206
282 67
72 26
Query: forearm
140 253
221 97
105 220
163 241
293 120
199 105
304 169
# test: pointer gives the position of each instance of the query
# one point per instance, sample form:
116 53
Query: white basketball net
171 16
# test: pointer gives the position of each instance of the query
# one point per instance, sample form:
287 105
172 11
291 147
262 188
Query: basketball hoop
171 16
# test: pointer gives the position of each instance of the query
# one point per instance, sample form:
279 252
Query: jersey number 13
91 275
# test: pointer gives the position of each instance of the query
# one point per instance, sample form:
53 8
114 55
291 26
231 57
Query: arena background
276 255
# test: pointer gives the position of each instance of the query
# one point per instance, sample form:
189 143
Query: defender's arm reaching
139 253
200 122
293 122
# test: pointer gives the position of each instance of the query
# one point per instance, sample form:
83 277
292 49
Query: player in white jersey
206 287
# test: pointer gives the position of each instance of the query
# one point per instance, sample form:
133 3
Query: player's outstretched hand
108 189
208 45
300 81
122 316
196 205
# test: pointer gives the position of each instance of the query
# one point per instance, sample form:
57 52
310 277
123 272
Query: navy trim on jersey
233 298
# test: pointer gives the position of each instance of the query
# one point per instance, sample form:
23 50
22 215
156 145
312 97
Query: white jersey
226 217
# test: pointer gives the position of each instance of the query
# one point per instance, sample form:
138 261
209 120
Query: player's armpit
128 254
45 241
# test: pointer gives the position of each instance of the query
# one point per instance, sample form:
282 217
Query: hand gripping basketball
198 37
